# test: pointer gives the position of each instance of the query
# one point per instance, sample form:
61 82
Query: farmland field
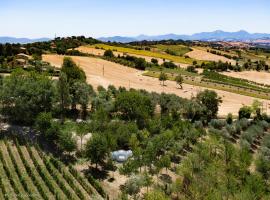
100 52
199 54
178 50
28 173
177 59
119 75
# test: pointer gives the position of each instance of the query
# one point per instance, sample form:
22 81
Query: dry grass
199 54
119 75
100 52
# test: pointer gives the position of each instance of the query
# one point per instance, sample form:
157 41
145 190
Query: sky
97 18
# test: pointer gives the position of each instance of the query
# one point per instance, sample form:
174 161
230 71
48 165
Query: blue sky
45 18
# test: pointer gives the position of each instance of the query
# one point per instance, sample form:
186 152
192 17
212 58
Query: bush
108 53
231 129
198 124
244 123
191 69
217 124
169 65
229 118
245 112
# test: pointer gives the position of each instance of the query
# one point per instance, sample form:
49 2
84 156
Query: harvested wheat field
199 54
119 75
100 52
259 77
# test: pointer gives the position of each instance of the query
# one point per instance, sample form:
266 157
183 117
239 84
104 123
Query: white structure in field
121 155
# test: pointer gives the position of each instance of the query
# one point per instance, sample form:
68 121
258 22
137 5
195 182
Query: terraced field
27 173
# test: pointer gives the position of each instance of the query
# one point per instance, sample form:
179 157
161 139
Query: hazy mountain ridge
21 40
217 35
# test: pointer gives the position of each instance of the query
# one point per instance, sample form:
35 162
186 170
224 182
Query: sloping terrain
199 54
119 75
27 173
259 77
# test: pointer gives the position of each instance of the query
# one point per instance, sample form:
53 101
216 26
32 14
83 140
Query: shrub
169 65
229 118
245 144
231 129
244 123
245 112
264 125
198 124
217 124
108 53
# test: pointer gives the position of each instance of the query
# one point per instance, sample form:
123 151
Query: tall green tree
74 73
210 100
67 142
163 77
134 106
96 149
82 93
179 80
25 94
63 93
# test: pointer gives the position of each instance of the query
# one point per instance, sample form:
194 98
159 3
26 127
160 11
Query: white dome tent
121 155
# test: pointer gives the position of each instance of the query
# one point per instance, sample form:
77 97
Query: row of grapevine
12 175
39 183
50 182
5 184
59 179
24 178
27 173
78 188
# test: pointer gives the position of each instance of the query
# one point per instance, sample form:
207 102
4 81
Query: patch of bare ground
199 54
119 75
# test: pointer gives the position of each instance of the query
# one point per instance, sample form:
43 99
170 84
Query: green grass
177 59
178 50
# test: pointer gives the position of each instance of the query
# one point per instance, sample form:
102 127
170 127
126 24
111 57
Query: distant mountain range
218 35
204 36
21 40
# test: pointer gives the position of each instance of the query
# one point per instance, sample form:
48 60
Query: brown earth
119 75
199 54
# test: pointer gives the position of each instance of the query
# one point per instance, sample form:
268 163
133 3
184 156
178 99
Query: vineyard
28 173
